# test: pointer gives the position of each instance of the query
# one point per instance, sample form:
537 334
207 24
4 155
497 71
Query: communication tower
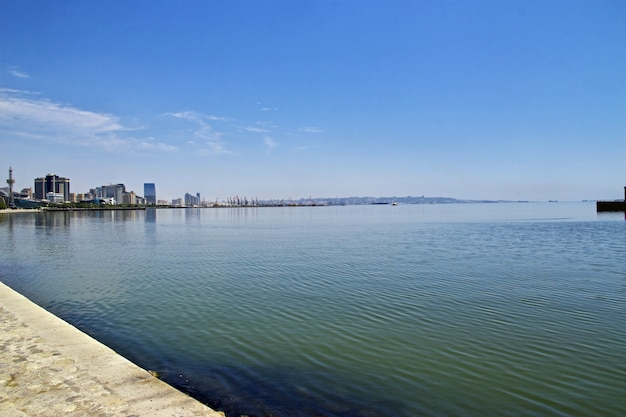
11 181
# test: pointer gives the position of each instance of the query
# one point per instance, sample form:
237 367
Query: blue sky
522 100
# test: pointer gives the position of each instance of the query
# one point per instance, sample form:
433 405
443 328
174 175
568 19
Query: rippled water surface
409 310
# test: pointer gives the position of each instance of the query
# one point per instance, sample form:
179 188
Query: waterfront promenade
49 368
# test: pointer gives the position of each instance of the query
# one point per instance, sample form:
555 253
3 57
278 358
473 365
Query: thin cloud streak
310 129
16 92
204 130
45 120
198 117
256 129
18 74
151 145
46 115
270 143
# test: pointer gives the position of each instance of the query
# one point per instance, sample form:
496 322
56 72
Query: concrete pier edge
50 368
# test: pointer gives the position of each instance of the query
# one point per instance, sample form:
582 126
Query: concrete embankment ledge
50 368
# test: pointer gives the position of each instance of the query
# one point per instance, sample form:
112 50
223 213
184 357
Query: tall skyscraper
52 184
149 193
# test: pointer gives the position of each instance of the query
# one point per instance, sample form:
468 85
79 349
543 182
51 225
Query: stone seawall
50 368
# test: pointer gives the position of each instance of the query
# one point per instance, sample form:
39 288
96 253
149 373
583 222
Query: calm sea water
408 310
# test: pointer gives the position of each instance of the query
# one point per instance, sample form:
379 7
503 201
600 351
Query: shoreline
20 210
49 367
55 209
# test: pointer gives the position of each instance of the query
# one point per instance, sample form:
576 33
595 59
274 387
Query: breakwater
611 206
615 205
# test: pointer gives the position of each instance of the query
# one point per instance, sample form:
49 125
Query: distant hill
344 201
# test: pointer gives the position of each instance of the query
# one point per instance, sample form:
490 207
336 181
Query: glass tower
149 193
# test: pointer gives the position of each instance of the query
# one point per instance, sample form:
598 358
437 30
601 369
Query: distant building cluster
110 194
54 189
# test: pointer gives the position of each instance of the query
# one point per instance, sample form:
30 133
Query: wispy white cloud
152 145
217 148
45 115
263 107
303 148
267 125
19 74
208 134
310 129
204 131
256 129
220 118
270 143
46 120
198 117
13 91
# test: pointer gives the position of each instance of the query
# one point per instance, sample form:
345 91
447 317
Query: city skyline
118 194
520 100
56 189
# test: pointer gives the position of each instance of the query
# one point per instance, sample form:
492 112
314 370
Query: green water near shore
486 309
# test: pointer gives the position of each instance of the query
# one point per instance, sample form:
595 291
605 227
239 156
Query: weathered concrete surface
49 368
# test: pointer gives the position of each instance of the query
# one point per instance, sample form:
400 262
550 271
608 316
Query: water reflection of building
52 186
